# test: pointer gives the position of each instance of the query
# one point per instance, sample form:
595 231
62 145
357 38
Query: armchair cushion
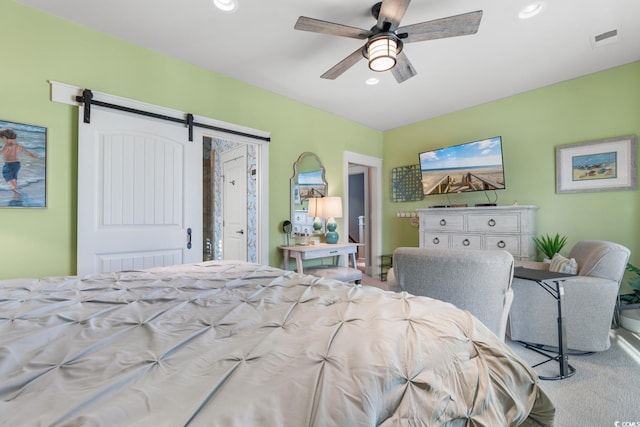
598 258
560 264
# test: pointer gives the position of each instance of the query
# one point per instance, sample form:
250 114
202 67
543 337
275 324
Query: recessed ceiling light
532 9
372 81
226 5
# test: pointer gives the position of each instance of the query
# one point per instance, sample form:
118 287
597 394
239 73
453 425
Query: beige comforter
238 344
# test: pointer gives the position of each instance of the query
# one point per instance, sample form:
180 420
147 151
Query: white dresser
511 228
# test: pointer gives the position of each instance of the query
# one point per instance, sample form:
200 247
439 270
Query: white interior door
234 204
139 193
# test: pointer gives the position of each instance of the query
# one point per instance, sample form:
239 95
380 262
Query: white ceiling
257 44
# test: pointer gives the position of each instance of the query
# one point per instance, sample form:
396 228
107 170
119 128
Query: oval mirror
308 181
287 228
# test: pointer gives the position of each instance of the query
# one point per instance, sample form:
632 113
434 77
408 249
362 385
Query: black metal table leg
565 369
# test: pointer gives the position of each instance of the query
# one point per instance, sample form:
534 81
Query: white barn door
139 193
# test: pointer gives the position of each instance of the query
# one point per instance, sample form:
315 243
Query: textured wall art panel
406 184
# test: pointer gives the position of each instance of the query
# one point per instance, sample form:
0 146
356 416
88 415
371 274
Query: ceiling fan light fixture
532 9
382 53
226 5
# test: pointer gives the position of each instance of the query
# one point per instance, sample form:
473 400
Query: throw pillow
561 264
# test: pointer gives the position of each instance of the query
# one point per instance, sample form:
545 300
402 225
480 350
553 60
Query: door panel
138 260
234 169
139 192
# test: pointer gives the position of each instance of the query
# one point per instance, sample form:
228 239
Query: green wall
37 47
532 125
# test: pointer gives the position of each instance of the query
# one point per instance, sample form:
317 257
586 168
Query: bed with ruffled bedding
237 344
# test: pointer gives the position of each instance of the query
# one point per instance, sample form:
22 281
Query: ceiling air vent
605 38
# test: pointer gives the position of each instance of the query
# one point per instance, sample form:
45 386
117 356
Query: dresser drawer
435 240
443 222
510 244
504 223
509 228
459 241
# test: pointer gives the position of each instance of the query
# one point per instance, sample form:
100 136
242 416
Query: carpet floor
605 389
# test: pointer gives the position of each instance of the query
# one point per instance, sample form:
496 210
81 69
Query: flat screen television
472 166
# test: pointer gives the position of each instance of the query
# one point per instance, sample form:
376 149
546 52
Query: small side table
386 262
552 283
323 250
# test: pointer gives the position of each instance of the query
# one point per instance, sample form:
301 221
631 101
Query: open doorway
362 193
359 211
229 182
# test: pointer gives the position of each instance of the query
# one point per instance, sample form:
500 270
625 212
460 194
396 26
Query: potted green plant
550 246
634 281
630 316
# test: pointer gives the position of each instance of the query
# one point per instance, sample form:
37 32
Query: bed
225 343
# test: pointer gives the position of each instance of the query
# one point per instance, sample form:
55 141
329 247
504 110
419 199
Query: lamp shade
331 207
382 53
315 207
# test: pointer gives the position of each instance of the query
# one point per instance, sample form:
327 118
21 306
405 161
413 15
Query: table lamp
331 209
315 211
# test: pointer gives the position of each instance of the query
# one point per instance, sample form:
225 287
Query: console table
552 283
510 228
323 250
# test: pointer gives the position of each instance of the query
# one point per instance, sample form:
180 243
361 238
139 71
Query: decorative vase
332 235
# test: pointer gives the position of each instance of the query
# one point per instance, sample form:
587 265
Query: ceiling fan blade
453 26
342 66
404 69
331 28
391 13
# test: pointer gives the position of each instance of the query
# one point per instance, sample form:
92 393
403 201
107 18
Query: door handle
240 232
189 238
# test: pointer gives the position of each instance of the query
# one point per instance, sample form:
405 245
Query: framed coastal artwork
601 165
23 162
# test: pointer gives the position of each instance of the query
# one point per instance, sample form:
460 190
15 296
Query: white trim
66 94
262 203
375 186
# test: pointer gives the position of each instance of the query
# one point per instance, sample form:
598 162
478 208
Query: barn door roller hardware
87 99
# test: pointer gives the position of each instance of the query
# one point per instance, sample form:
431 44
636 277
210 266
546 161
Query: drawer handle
443 222
502 244
436 241
492 222
466 242
333 252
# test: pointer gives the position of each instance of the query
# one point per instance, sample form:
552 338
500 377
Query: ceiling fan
385 40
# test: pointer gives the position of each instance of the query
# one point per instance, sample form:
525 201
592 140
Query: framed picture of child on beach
23 162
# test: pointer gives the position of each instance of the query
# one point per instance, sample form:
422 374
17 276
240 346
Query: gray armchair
472 280
589 300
